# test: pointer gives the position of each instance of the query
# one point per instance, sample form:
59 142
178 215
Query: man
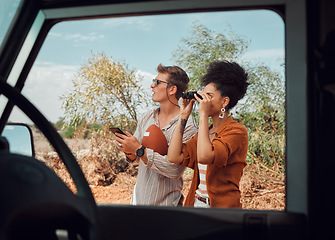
159 182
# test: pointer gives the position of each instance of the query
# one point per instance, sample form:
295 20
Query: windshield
8 9
74 67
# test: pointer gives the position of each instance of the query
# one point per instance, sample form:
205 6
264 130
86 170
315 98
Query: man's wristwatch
140 151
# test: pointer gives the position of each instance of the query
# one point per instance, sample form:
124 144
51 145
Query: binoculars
190 95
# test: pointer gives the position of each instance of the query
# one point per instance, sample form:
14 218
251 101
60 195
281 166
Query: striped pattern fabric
202 187
160 182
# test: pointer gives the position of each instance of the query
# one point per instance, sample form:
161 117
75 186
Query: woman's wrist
203 116
184 116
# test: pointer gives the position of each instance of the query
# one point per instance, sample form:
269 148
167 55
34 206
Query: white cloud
55 34
147 78
78 37
44 86
265 54
142 23
270 57
47 82
146 82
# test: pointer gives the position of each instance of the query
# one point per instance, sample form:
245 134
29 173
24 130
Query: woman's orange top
223 175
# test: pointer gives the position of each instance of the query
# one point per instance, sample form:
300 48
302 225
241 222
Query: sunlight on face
215 97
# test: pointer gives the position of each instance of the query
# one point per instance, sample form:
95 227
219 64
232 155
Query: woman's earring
223 111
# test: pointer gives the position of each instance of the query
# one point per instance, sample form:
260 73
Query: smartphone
116 130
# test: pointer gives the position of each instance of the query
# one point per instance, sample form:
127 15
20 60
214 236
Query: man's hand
127 143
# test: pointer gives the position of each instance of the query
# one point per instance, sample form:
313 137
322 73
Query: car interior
36 204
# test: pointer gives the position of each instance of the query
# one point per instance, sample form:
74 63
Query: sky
143 43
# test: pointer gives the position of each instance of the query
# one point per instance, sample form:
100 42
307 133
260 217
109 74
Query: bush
266 131
68 132
59 124
104 159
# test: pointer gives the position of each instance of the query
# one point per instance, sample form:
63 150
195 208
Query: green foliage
125 124
82 130
105 90
262 110
68 132
204 46
266 130
266 88
95 127
64 130
59 124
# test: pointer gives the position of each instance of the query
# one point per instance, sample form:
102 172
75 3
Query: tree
105 91
204 46
262 110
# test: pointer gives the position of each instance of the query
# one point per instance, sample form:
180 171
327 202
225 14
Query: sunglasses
157 82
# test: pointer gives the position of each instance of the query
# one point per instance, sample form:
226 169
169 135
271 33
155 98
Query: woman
217 152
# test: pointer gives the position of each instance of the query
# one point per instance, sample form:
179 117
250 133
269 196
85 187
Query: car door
21 45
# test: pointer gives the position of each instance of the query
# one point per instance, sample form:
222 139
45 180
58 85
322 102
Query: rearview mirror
20 139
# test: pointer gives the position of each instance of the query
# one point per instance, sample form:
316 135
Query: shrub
68 132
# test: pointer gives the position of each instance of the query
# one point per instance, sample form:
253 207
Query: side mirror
20 139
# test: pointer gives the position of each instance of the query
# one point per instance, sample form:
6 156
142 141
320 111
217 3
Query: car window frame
43 19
